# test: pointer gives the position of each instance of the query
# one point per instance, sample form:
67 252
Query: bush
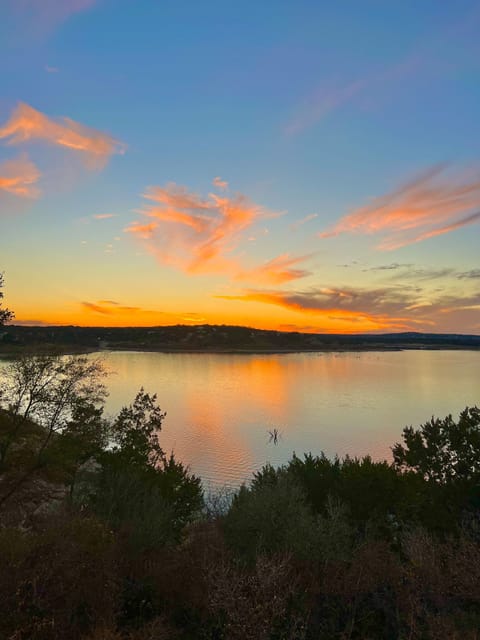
271 518
57 583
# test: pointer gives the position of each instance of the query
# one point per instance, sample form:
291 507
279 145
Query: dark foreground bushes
315 550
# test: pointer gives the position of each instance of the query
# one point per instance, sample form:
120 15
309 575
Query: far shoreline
68 350
217 339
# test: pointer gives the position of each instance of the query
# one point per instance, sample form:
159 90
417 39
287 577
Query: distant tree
5 314
443 450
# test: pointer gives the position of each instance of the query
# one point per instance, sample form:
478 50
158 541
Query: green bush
269 519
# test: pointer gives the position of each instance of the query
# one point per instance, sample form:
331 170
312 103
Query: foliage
375 493
44 400
317 548
135 432
147 495
269 519
444 451
58 582
5 314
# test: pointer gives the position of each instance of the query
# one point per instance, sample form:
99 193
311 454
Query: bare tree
5 314
48 395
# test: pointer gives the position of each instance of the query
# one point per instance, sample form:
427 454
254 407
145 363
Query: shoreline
68 350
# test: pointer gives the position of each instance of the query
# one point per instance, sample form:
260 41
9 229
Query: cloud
26 124
323 100
110 307
279 270
42 16
320 104
409 270
19 177
104 216
472 274
431 204
371 310
50 69
193 233
389 267
383 308
219 183
299 223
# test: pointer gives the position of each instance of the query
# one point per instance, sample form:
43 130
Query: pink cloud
282 269
104 216
431 204
194 233
19 177
26 124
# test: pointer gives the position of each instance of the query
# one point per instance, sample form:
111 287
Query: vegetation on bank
103 536
216 338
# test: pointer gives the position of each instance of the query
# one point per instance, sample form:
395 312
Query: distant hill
219 338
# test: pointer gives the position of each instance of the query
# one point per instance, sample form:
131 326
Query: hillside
219 338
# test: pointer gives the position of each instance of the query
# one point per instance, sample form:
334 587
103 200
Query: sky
296 165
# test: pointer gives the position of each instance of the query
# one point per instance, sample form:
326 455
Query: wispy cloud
320 104
324 100
381 308
393 266
104 216
296 225
19 177
113 313
473 274
279 270
42 16
375 309
50 69
220 183
194 233
26 124
110 307
432 204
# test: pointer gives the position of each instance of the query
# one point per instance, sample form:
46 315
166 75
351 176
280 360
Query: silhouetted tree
5 314
443 450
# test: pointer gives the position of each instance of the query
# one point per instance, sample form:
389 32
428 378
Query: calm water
221 407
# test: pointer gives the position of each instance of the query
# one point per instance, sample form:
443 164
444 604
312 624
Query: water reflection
220 408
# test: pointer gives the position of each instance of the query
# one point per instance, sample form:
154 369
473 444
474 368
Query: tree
5 314
42 400
136 430
443 451
144 493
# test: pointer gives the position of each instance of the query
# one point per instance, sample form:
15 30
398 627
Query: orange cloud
431 204
399 308
389 308
19 177
277 271
110 307
26 124
104 216
194 233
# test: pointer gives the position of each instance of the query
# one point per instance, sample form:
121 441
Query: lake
221 407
